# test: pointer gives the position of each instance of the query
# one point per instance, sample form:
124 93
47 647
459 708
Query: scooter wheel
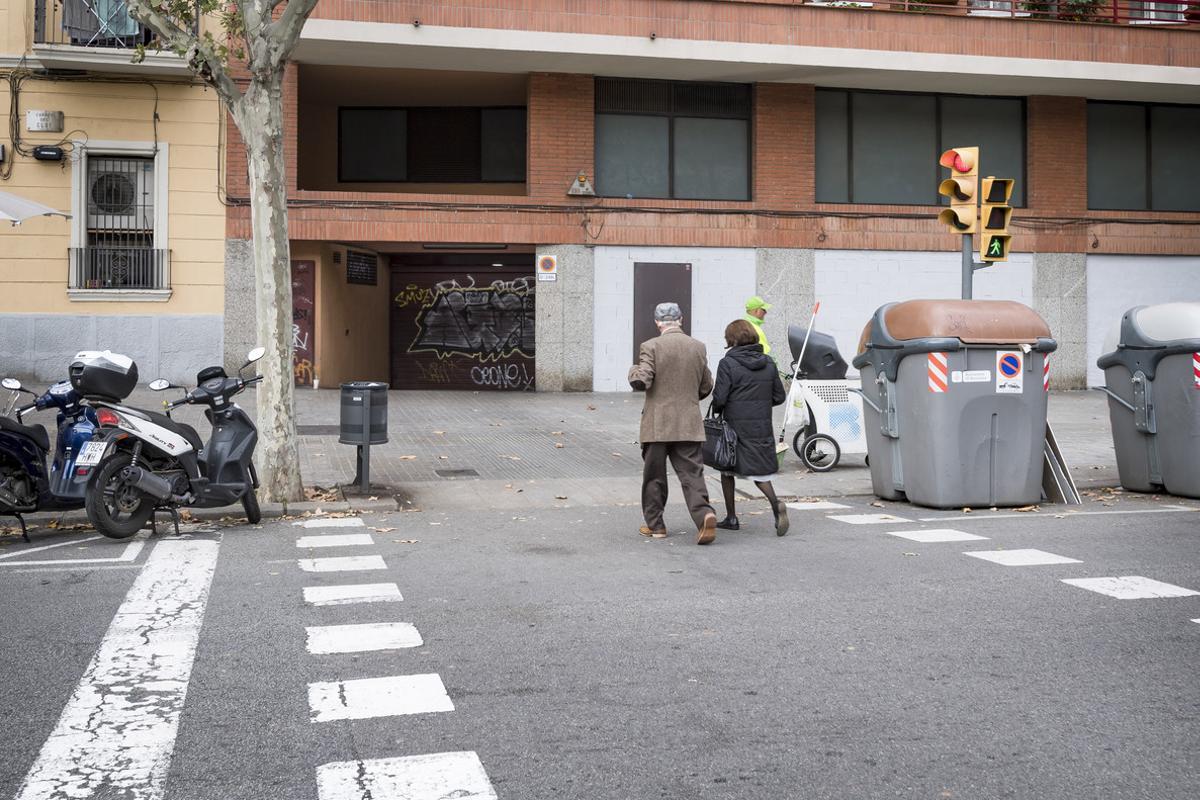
820 452
250 504
115 509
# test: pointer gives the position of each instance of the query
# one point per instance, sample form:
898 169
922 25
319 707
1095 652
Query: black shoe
729 524
782 523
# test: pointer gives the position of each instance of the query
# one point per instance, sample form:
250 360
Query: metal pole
968 266
365 486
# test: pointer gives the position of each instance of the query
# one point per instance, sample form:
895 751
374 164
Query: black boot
782 523
729 524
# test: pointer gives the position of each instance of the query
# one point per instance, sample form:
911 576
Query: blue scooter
25 483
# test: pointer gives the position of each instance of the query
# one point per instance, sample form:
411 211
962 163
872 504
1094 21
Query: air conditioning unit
120 195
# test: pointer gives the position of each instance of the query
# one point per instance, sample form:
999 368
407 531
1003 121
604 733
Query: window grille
119 206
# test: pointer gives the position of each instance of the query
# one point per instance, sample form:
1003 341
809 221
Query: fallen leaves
406 458
560 497
1027 508
383 530
558 445
406 541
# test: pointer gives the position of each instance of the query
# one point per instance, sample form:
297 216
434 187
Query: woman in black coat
747 387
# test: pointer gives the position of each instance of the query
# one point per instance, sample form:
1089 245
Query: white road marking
331 522
324 639
1050 514
429 777
29 550
817 505
129 554
342 564
335 540
1196 620
1021 558
355 593
378 697
1130 587
117 732
938 535
868 519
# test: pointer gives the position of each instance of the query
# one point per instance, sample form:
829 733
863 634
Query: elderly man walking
673 371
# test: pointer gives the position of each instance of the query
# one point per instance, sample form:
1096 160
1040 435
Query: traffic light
961 187
994 238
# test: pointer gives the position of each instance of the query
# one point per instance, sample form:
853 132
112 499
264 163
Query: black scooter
152 462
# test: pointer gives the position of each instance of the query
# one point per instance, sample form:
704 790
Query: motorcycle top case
103 375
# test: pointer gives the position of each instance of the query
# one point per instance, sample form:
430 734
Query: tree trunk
259 117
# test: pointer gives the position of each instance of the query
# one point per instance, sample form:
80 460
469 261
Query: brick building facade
735 148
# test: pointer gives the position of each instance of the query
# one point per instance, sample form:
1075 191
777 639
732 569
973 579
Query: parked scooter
151 462
26 485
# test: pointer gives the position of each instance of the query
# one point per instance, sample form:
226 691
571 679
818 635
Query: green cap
757 302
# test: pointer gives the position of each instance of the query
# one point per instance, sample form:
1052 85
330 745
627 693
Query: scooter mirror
159 385
255 354
11 384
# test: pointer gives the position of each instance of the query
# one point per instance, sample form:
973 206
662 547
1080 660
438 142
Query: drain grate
457 473
318 430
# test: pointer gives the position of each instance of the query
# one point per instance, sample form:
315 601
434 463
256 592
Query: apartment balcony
97 35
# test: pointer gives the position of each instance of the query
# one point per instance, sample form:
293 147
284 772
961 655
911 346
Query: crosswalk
423 776
1127 587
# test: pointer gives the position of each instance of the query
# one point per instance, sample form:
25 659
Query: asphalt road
584 661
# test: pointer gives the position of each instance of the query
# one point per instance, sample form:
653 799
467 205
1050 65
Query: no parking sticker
1010 377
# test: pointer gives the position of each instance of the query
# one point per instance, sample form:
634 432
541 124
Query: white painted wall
1118 283
852 284
722 279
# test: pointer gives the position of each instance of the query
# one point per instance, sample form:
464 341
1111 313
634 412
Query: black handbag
720 442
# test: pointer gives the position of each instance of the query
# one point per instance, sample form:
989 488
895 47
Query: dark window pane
444 145
1175 158
632 156
633 96
372 144
997 127
1116 156
712 159
833 140
894 142
504 144
731 100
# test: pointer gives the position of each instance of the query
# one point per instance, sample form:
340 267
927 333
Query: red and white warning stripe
1196 369
1046 372
939 372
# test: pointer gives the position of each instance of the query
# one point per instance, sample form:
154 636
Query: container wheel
820 452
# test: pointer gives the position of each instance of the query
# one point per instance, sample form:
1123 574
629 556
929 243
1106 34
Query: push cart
825 413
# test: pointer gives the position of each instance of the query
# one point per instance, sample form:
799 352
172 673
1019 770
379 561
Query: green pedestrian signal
994 216
996 249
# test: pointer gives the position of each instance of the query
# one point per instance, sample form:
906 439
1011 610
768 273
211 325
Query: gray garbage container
364 413
1151 366
955 402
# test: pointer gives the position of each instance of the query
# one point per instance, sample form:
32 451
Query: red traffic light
960 159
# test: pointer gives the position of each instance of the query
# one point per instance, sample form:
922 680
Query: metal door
463 327
304 347
654 284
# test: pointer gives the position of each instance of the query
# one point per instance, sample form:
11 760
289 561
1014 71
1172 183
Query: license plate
90 454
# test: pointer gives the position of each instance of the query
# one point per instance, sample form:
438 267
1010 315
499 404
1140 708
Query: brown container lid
969 321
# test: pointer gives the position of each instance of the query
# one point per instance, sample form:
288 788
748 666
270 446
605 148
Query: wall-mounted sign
362 268
44 121
547 268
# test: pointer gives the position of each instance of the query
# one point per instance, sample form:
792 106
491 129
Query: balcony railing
89 23
1120 12
119 268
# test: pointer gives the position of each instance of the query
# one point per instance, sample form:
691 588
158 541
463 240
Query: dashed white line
983 515
868 519
1130 587
354 593
330 522
428 777
936 535
325 639
117 732
1021 558
342 564
336 540
816 505
378 697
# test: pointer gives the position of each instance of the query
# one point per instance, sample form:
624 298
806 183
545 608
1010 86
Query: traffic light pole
969 265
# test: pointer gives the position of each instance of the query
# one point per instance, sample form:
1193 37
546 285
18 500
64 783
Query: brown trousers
689 467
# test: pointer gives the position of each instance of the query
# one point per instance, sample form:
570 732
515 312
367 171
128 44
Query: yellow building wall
33 256
351 329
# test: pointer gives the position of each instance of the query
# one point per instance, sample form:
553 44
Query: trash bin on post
955 402
363 423
1151 366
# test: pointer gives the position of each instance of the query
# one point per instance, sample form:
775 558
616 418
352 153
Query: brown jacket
673 370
